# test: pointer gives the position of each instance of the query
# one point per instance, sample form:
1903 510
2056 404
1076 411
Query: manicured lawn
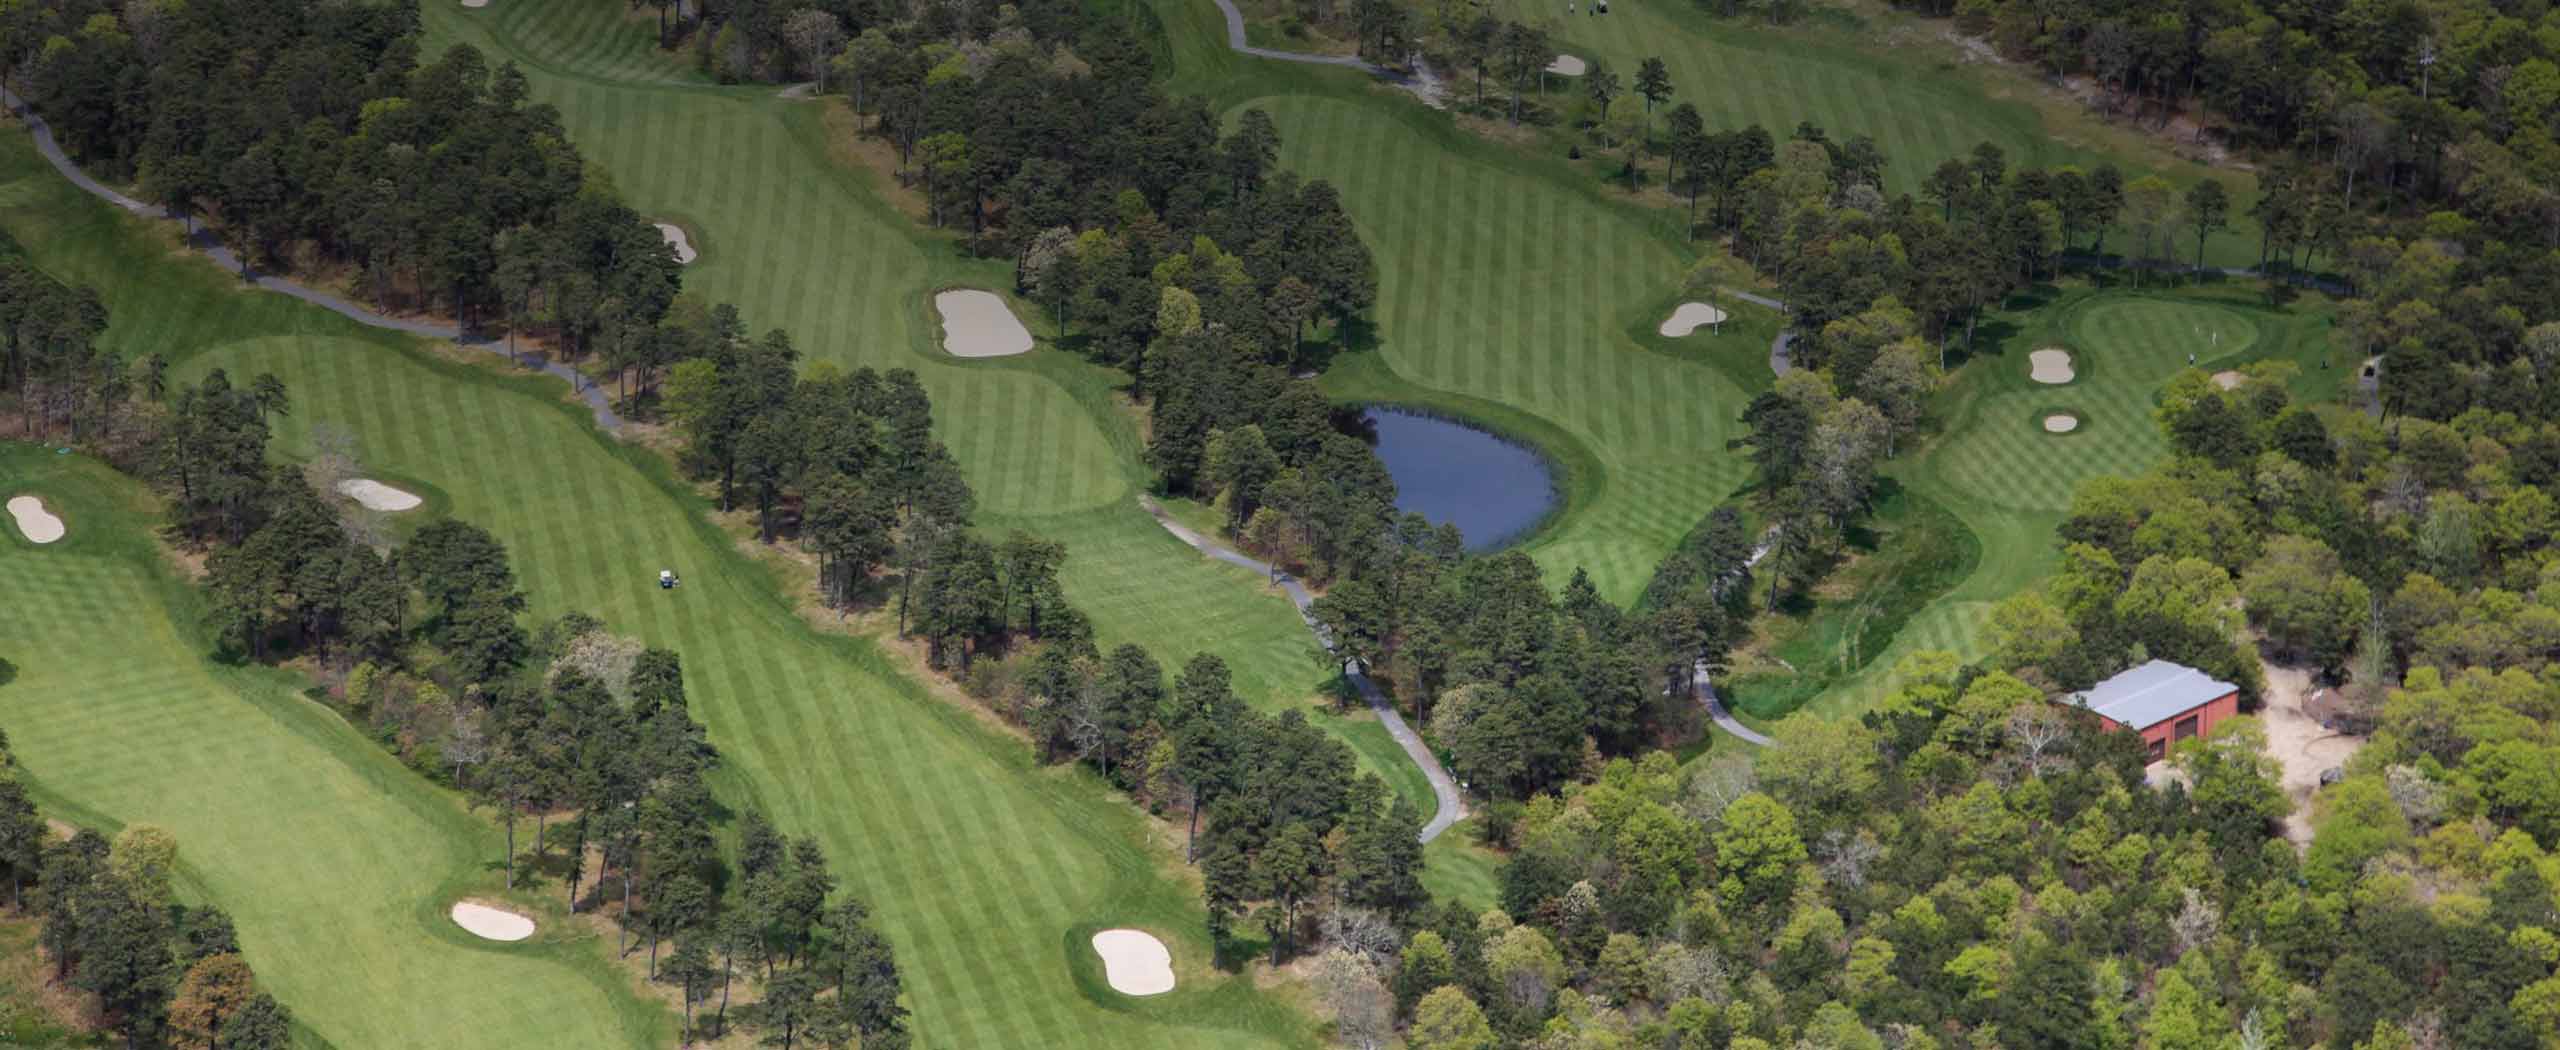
985 871
336 862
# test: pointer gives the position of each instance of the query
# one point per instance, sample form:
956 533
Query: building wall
2164 735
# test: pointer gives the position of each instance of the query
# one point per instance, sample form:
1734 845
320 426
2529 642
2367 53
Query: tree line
310 137
161 973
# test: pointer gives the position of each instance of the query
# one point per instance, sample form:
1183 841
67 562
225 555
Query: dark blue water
1455 474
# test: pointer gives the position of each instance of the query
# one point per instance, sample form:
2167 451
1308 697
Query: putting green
2011 482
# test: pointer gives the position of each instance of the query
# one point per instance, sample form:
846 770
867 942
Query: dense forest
433 186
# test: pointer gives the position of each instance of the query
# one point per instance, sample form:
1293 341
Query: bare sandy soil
36 523
492 923
2300 744
1135 962
1689 317
677 240
375 495
2061 424
2229 380
1568 66
979 324
2050 365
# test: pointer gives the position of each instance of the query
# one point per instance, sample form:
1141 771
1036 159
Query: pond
1493 490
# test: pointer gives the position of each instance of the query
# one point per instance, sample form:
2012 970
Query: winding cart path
205 242
1453 806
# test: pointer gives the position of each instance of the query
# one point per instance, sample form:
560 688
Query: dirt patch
854 147
2300 744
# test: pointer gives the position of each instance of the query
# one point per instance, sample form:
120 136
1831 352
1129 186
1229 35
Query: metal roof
2153 693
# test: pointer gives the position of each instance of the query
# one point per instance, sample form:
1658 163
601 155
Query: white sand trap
979 324
475 3
375 495
2061 424
1567 65
2050 365
39 524
1135 962
2229 380
678 241
1688 317
485 921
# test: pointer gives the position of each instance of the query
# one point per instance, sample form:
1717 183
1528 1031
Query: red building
2164 702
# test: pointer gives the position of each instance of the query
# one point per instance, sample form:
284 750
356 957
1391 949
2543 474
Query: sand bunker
485 921
979 324
2229 380
678 241
2050 365
1135 962
2061 424
1567 65
375 495
1688 317
475 3
39 524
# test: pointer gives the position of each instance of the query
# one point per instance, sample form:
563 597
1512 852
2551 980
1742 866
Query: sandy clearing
1688 317
2050 365
2061 424
375 495
979 324
677 240
492 923
38 524
2229 380
1135 962
1568 66
2300 745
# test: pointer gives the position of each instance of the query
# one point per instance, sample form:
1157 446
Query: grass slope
335 862
985 871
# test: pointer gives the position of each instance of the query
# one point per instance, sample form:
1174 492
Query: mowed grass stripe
328 856
923 815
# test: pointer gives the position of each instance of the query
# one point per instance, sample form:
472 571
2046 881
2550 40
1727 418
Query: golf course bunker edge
36 523
374 495
1688 318
2051 365
978 324
2060 423
496 924
1134 961
678 240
